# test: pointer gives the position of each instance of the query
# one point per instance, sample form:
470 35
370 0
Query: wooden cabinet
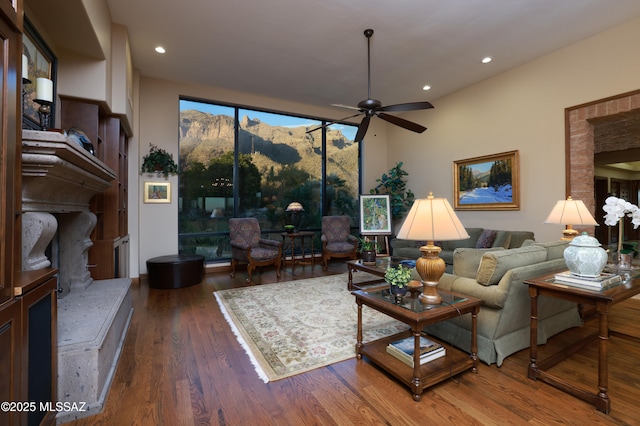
110 237
36 292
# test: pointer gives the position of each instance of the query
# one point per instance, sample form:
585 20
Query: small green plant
366 244
393 183
398 275
158 161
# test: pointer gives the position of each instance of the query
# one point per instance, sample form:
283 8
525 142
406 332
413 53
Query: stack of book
403 350
595 283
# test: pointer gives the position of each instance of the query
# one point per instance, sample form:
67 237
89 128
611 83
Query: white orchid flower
617 208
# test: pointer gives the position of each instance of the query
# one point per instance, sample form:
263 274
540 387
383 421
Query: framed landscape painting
375 214
157 192
490 182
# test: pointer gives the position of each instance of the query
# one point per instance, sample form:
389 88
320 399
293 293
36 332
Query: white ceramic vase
585 256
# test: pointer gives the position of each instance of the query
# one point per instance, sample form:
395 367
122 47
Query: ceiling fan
373 107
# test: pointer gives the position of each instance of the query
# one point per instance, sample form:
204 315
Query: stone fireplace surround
59 178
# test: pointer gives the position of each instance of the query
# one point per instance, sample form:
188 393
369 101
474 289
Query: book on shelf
404 349
601 281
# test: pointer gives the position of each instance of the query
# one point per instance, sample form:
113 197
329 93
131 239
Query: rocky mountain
204 136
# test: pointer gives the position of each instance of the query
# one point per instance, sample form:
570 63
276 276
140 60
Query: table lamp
431 219
294 214
570 212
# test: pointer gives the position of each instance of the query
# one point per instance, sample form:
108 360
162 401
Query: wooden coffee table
603 301
379 267
417 315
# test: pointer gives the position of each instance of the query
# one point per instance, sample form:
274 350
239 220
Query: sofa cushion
555 249
467 260
503 239
518 237
495 264
486 239
474 234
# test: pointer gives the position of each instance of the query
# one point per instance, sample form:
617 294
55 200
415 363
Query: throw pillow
486 239
495 264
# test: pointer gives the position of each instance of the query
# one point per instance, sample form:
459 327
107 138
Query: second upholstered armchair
336 239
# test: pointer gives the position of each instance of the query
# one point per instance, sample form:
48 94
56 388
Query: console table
603 301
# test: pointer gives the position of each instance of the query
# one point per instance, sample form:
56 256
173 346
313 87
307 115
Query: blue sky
265 117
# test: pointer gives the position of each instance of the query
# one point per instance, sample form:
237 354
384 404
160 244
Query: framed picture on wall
157 192
375 214
41 63
490 182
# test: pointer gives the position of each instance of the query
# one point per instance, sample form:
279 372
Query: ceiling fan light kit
372 107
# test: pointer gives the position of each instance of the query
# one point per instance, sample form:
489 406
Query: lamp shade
295 207
432 219
570 212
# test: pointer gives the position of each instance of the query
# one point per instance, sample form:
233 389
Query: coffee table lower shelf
428 374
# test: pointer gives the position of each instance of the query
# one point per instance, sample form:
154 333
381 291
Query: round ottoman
175 271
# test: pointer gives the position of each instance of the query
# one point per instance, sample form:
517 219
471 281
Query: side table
292 237
603 300
418 315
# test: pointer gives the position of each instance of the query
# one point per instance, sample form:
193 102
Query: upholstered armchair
336 239
247 245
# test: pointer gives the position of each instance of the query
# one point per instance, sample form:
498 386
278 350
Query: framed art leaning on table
375 214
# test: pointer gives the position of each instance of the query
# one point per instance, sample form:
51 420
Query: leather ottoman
175 271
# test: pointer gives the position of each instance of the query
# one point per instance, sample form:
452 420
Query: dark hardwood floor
182 365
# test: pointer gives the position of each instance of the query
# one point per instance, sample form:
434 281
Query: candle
25 67
44 89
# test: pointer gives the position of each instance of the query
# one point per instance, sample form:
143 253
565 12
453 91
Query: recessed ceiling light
426 87
487 60
160 49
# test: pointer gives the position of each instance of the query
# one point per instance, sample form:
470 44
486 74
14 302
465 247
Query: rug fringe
241 340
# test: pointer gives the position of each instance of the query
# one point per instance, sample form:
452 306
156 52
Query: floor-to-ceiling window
240 162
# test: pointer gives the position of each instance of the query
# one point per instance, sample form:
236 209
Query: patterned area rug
296 326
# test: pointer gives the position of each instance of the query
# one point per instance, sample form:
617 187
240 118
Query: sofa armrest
467 260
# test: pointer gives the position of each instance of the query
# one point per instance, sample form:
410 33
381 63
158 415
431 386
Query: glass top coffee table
379 267
418 315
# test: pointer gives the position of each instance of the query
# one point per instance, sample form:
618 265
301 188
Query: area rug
292 327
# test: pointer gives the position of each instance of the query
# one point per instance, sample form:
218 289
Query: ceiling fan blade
362 129
409 125
345 106
332 122
410 106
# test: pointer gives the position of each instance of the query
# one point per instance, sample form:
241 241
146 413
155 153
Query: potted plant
398 278
158 161
393 183
367 249
289 229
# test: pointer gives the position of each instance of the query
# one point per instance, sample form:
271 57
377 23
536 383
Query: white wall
521 109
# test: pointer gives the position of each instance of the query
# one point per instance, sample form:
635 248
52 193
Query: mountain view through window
237 162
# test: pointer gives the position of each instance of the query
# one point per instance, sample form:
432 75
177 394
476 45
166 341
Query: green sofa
497 278
501 239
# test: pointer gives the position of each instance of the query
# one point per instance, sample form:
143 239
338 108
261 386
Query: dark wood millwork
28 300
109 255
199 374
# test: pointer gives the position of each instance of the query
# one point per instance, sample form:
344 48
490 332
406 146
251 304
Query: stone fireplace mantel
58 175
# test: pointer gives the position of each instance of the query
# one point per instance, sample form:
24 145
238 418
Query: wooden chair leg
233 267
250 268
